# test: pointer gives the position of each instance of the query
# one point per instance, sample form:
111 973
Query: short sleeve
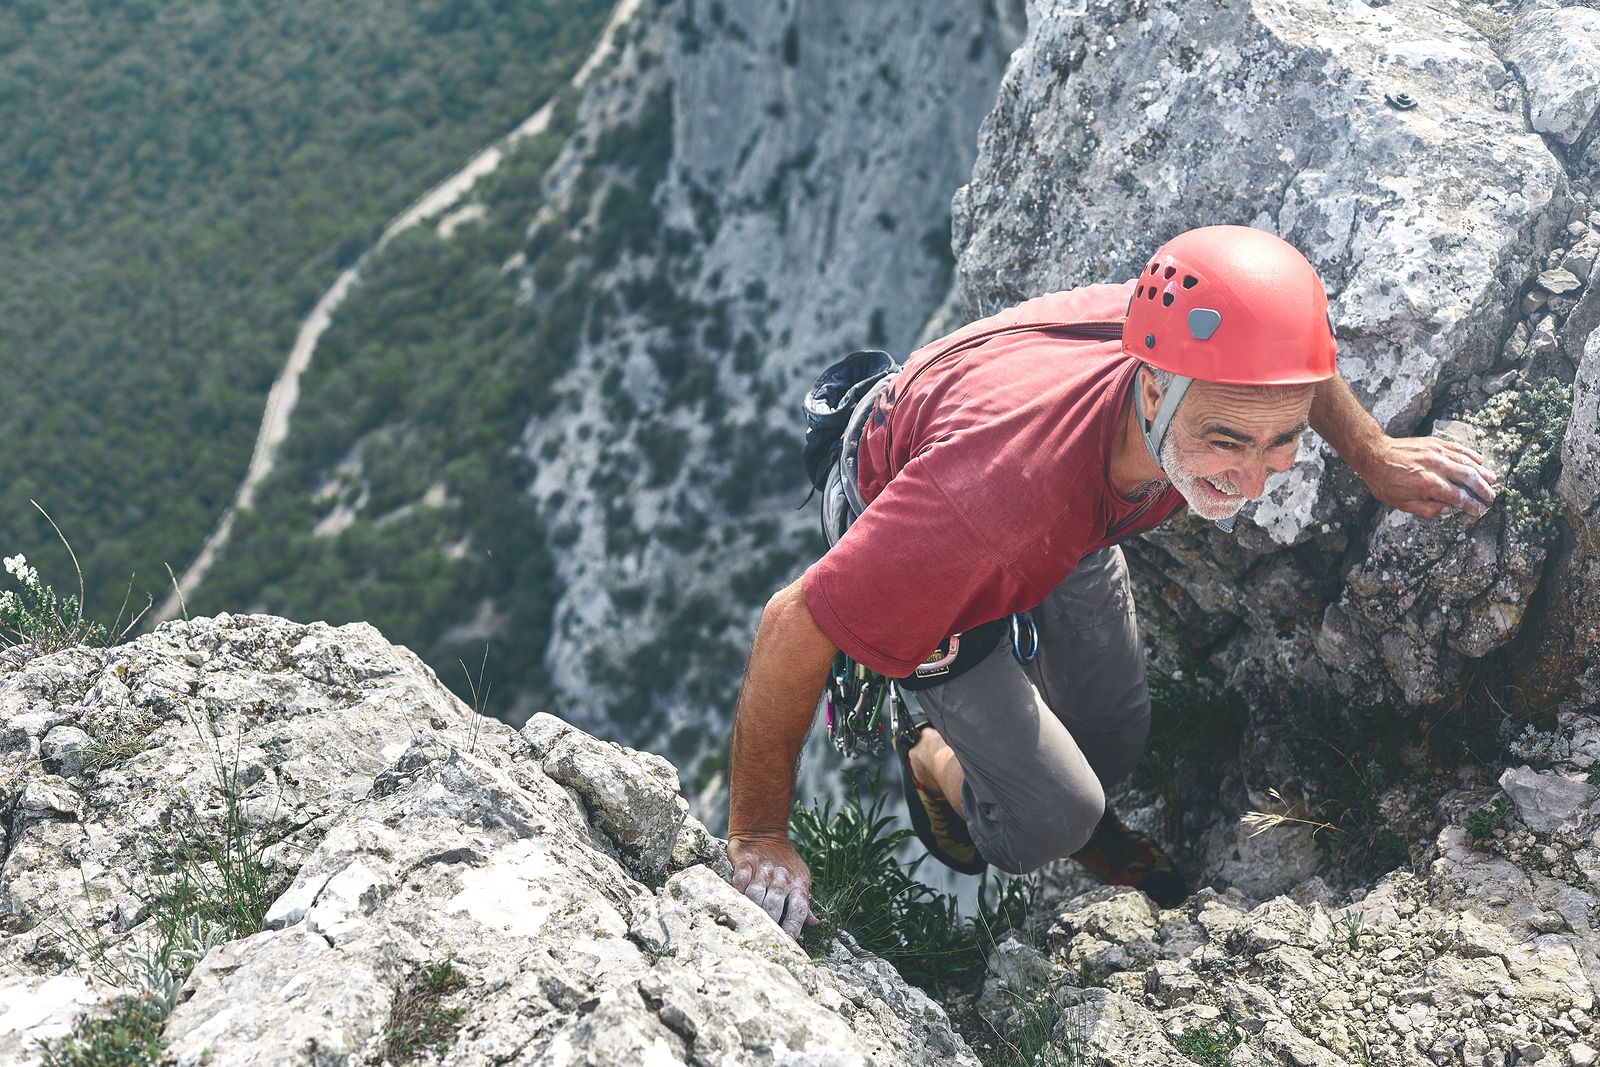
907 573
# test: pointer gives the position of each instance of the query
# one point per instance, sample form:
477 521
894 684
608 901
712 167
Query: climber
998 470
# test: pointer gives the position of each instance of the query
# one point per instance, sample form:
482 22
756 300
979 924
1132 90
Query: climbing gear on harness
1118 855
933 817
853 702
1024 638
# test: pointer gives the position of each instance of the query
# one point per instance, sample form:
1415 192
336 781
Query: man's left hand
1429 476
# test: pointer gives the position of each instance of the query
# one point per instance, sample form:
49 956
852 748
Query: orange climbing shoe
941 830
1118 855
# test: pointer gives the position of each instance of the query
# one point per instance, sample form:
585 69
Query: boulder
1390 144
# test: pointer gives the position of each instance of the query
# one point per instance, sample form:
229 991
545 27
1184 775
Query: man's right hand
768 870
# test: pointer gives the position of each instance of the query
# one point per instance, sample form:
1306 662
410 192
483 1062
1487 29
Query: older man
994 475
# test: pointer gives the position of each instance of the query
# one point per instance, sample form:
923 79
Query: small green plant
1528 425
1209 1047
1592 776
419 1023
37 615
1485 821
45 620
1352 923
1031 1040
859 886
127 1034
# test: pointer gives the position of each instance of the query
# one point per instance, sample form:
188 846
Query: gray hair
1164 378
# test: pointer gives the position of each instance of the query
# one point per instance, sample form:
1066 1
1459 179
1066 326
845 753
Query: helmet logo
1203 322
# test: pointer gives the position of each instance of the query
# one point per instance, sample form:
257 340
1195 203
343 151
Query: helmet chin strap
1156 432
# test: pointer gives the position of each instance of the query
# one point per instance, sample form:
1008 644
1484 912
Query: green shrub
857 885
1208 1047
128 1034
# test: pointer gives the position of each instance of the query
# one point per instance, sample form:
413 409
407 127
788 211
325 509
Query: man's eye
1225 446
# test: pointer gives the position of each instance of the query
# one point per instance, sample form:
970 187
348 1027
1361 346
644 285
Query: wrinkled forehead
1264 407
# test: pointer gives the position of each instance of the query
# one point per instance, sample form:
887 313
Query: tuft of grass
419 1023
1348 756
1209 1047
1266 820
217 889
1032 1040
128 1034
858 885
1353 922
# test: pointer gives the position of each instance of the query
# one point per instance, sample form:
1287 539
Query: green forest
182 181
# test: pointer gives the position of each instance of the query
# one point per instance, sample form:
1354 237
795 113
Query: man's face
1228 439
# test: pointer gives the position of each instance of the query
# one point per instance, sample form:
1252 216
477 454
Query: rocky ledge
422 875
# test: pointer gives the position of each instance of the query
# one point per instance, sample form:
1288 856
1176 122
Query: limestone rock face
583 912
1488 955
1557 53
1391 144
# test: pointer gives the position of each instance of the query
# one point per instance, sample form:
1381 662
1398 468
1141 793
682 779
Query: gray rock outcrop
385 831
1435 162
1489 955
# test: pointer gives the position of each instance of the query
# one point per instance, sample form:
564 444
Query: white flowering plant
36 615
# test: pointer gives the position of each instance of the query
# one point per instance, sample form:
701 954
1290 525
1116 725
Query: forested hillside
561 427
180 182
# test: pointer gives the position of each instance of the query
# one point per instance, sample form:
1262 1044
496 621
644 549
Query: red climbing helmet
1231 304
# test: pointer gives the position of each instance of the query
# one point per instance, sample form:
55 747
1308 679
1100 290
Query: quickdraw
854 702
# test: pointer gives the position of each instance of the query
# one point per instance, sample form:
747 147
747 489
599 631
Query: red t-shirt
985 468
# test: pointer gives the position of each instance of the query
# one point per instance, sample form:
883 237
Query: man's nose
1252 478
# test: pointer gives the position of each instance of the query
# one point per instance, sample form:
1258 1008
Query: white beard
1187 483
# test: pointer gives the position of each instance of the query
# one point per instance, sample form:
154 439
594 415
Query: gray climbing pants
1040 744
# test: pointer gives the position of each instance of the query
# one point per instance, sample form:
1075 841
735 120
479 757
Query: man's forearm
788 667
1339 419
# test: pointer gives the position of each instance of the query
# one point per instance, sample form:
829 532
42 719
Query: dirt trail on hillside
285 392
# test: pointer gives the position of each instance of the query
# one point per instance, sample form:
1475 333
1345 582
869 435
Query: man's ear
1149 397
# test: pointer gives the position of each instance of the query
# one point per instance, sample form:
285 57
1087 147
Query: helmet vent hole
1170 272
1151 293
1154 267
1190 281
1139 291
1166 299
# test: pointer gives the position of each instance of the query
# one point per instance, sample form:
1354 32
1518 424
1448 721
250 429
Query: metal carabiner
1017 643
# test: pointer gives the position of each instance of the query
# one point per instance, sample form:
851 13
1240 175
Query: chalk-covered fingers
1429 476
768 870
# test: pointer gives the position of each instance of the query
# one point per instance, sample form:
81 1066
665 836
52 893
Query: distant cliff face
799 160
1437 164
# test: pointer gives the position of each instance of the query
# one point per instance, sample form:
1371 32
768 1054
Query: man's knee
1035 839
